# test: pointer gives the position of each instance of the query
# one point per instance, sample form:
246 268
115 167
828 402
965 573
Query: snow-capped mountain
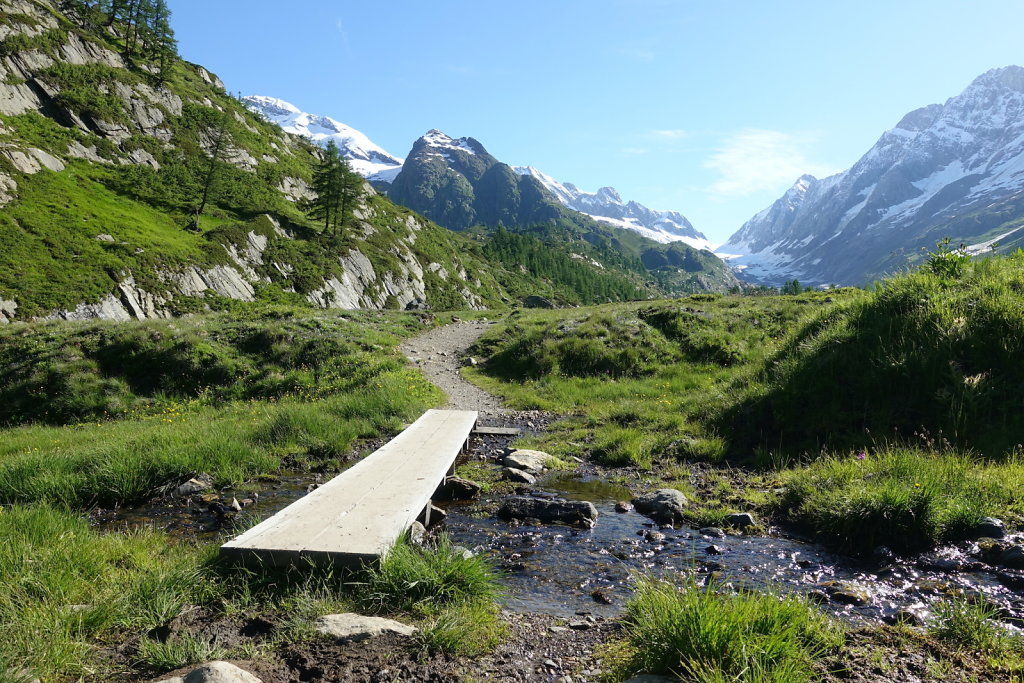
366 158
607 206
375 164
952 170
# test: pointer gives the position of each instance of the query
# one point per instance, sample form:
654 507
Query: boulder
535 301
437 515
457 488
526 459
574 513
351 627
740 520
664 506
219 672
845 593
518 476
197 484
989 527
711 531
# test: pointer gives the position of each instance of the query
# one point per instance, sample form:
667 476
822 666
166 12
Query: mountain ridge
945 170
605 205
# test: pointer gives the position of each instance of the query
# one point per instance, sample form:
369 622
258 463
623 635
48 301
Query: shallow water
556 570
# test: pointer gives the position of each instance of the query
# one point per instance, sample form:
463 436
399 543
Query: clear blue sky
709 107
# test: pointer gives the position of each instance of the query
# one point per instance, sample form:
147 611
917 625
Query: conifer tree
337 189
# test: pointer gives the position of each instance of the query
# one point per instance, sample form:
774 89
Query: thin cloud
340 25
754 160
670 134
638 54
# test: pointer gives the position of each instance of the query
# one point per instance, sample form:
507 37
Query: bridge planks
358 515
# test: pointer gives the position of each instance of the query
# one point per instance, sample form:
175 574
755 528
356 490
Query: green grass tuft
701 633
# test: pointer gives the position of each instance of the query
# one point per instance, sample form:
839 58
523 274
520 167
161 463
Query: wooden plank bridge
358 515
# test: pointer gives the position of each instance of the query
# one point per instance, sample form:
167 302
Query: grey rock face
664 506
573 513
355 627
7 310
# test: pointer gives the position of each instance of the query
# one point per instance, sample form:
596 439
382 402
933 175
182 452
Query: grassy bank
903 499
144 406
642 379
298 389
76 603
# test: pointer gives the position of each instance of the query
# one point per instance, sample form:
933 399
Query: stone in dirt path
439 355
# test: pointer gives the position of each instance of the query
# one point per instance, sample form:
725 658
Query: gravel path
439 355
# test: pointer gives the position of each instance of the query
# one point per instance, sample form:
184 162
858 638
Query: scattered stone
1002 554
654 536
623 506
465 553
580 625
905 617
235 505
845 593
197 484
740 520
573 513
525 459
883 554
219 672
712 531
351 627
603 596
989 527
664 506
417 533
104 238
713 550
519 476
457 488
472 361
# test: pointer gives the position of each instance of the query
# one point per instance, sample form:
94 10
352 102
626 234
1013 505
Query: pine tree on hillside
338 189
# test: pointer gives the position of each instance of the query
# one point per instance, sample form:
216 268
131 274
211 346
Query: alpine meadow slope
952 170
106 158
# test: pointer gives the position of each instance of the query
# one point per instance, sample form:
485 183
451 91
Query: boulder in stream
664 506
572 512
740 520
457 488
518 476
525 459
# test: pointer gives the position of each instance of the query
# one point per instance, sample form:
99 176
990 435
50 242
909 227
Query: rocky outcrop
7 310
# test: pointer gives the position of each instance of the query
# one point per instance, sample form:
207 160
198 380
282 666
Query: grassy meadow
111 415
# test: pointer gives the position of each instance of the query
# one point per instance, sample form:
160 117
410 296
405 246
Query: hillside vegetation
107 157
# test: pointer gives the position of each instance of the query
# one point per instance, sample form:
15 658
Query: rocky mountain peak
955 169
